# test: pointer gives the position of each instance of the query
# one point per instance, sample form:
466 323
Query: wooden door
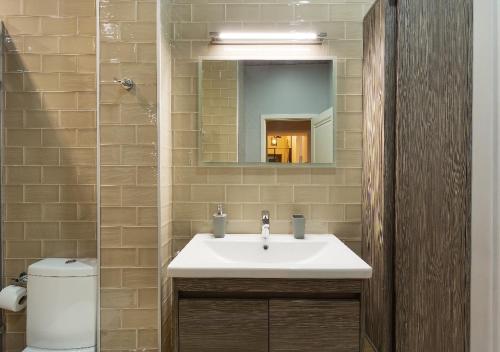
223 325
314 325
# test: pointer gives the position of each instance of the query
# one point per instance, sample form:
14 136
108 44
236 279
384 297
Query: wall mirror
267 112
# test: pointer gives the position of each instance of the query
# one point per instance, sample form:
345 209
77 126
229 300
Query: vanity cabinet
268 315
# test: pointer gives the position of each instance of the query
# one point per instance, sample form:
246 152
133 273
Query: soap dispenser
219 222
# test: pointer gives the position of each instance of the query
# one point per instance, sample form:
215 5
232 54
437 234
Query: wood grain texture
433 171
268 287
313 326
223 325
379 109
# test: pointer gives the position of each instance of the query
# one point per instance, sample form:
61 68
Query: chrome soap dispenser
219 222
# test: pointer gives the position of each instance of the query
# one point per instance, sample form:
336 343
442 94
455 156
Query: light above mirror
267 37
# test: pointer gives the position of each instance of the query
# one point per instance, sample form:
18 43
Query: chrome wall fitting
126 83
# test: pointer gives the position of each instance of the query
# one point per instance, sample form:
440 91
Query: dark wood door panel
314 325
223 325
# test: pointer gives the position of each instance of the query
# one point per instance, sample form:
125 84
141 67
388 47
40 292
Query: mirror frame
202 163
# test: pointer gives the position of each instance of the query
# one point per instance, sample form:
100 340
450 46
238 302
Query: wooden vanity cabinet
262 315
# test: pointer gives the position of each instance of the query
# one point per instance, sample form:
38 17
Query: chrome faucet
266 228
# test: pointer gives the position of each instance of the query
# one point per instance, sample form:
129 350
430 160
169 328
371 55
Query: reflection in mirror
273 112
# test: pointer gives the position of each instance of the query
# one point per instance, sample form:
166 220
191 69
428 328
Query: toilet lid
63 267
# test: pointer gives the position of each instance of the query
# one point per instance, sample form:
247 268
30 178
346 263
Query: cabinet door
314 326
223 325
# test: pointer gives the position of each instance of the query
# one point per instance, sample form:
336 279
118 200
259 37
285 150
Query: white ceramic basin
244 256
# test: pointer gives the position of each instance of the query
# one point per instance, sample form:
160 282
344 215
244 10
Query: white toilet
62 305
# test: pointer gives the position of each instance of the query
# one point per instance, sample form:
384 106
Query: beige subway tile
148 257
179 13
87 25
349 85
23 249
118 216
328 176
78 119
140 237
354 103
78 193
353 140
311 12
13 82
58 137
117 134
76 7
87 137
10 7
24 137
138 155
78 156
41 119
77 45
242 12
350 121
259 175
117 11
111 237
59 211
190 175
86 249
345 195
207 193
59 63
345 230
14 230
23 62
208 13
13 194
78 230
41 44
59 101
327 212
140 277
59 25
311 194
41 82
146 52
23 175
77 82
276 12
285 211
87 212
353 176
146 11
138 32
118 175
111 195
22 25
254 211
148 298
276 194
59 249
353 212
242 193
294 176
181 193
119 339
15 322
348 158
110 319
139 195
147 135
189 211
41 193
190 31
118 298
118 257
111 278
41 230
13 156
346 12
59 175
23 101
13 119
139 318
121 52
224 176
147 175
40 8
352 48
15 341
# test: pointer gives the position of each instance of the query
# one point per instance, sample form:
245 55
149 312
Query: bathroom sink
244 256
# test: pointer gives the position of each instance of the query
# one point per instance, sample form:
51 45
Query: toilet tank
62 304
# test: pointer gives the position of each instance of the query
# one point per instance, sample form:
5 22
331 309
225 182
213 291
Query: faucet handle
265 217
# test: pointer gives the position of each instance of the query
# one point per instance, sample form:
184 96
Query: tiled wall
128 174
49 137
220 112
329 198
